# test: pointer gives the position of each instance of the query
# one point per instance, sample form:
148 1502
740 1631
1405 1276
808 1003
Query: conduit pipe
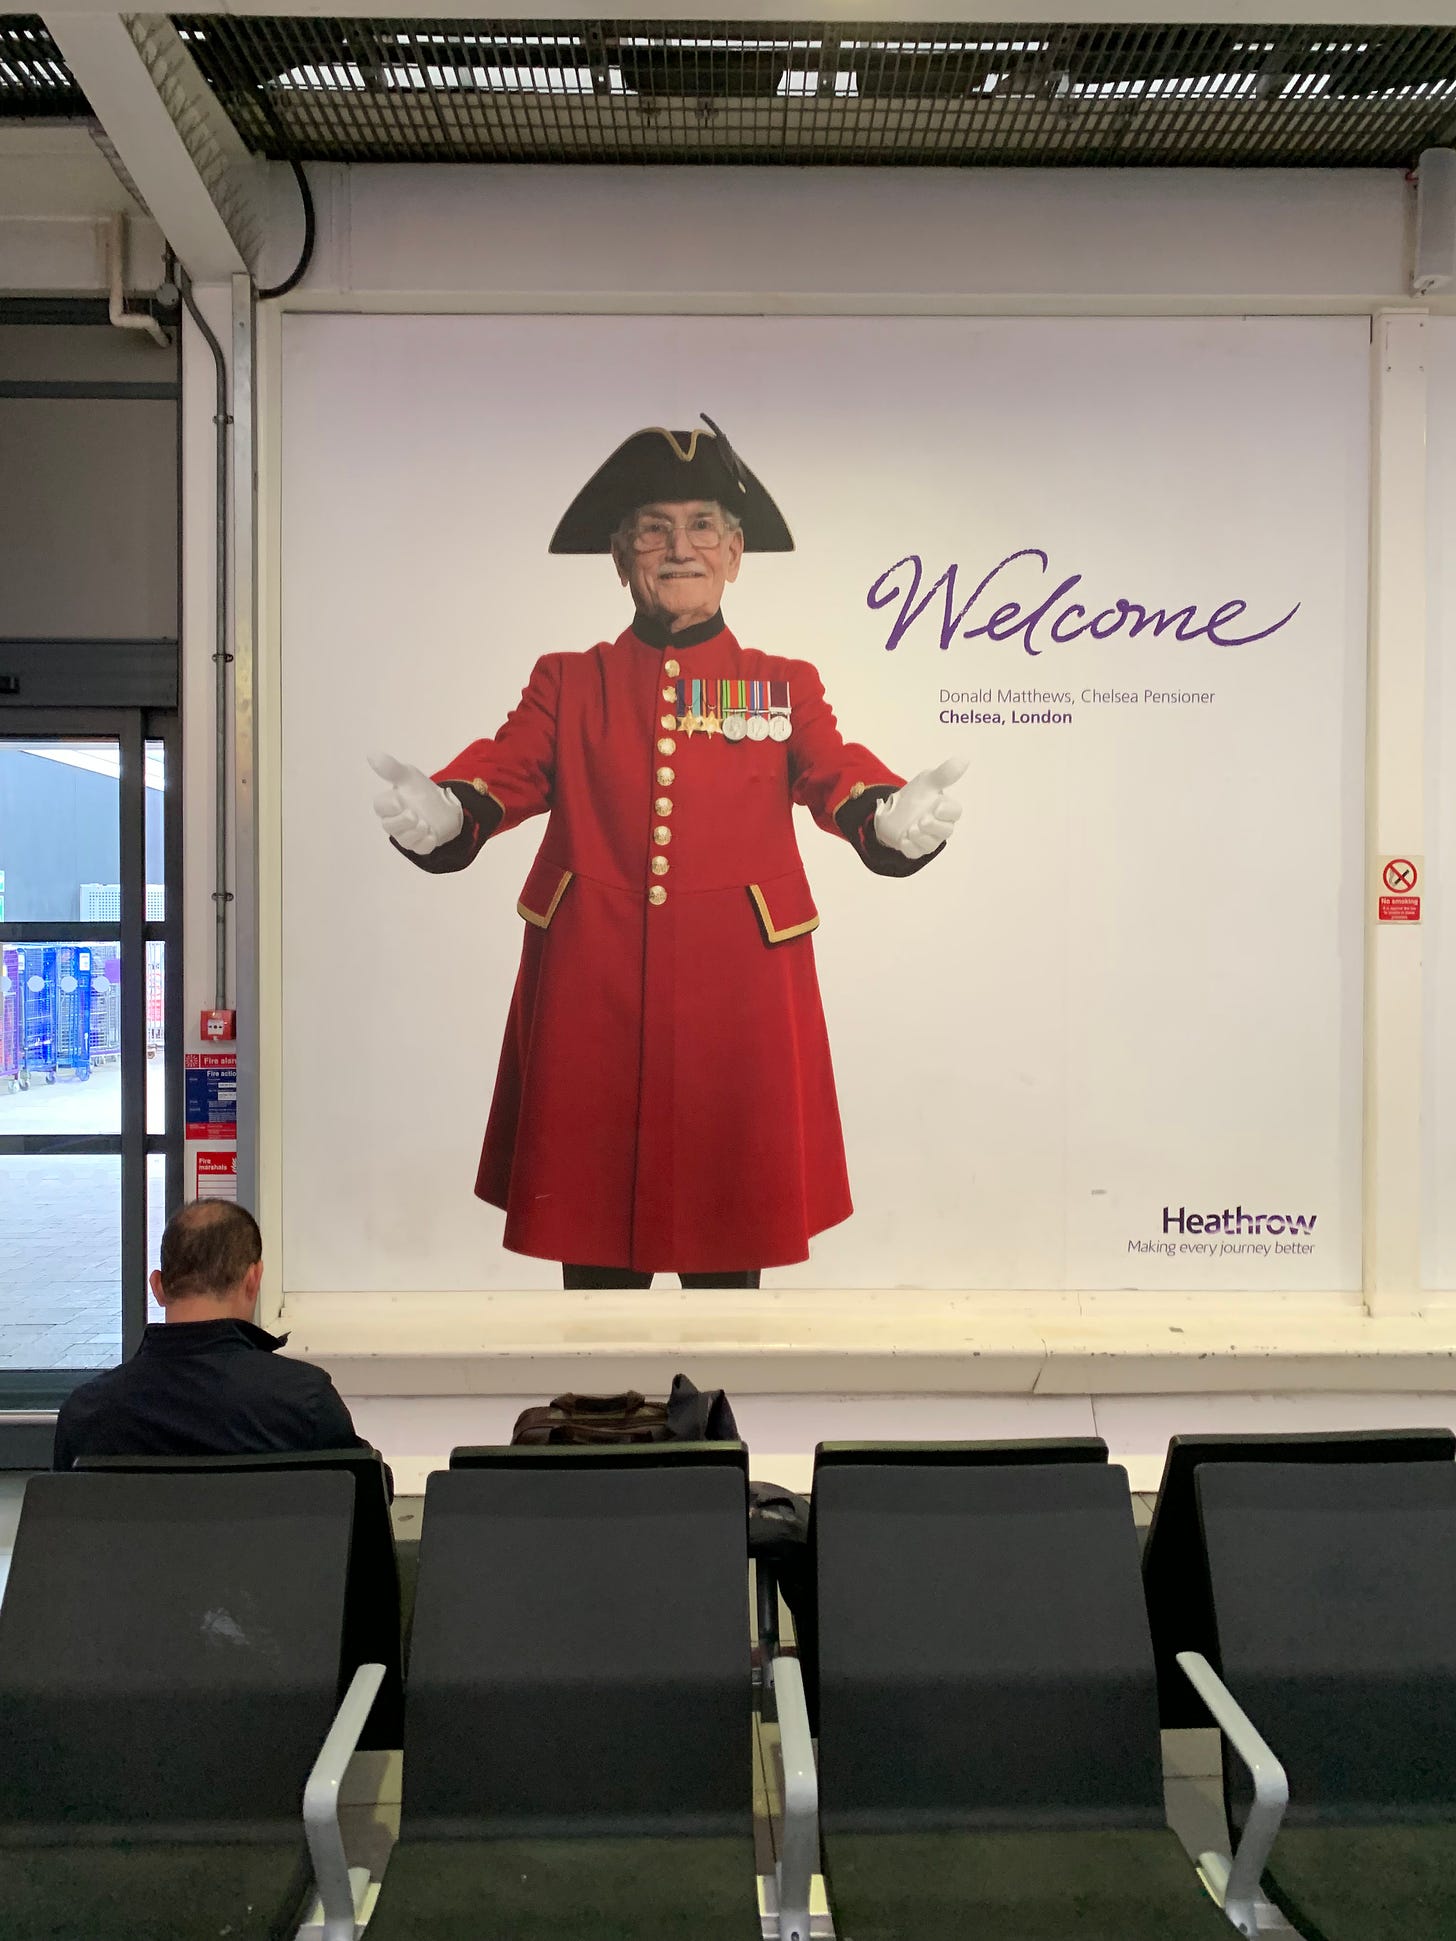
123 318
222 418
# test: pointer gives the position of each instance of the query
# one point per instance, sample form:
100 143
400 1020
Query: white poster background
1439 1104
1131 982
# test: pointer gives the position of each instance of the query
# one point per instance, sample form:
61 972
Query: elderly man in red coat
665 1099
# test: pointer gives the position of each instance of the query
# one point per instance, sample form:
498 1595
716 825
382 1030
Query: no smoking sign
1398 897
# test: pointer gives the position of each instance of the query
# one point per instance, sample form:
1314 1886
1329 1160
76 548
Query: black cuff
483 816
856 823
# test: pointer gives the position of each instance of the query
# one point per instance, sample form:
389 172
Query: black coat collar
655 633
188 1337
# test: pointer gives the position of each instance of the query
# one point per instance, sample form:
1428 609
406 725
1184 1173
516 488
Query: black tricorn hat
668 467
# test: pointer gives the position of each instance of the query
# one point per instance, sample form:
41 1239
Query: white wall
913 240
56 189
543 240
1439 1182
418 1433
531 239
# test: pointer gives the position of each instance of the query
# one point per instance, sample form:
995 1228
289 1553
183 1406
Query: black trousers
624 1277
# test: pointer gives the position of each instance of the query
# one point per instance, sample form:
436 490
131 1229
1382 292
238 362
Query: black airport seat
579 1457
920 1455
27 1443
578 1708
989 1757
1334 1598
169 1655
1175 1579
372 1604
912 1456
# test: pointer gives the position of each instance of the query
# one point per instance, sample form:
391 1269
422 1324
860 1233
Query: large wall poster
1439 1103
1108 1038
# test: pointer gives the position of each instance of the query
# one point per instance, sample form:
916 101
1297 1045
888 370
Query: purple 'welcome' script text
1064 619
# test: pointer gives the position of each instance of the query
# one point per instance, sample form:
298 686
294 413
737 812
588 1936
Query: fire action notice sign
1399 889
212 1094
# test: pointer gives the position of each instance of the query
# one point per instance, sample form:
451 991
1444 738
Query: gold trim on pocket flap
542 918
791 930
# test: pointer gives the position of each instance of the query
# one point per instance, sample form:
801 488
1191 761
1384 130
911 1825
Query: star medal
688 696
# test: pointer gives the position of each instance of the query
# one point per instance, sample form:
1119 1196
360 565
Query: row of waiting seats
184 1658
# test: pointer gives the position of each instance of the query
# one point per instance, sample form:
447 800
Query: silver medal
735 727
757 728
779 727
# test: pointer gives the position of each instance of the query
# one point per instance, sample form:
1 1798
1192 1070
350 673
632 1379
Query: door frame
131 729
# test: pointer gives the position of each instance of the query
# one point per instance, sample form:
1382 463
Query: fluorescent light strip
805 81
670 43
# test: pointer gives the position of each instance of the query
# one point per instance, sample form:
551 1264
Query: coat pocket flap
785 907
545 887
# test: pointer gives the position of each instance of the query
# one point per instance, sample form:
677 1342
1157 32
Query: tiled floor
72 1106
60 1228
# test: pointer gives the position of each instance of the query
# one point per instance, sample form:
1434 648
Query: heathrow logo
1230 1230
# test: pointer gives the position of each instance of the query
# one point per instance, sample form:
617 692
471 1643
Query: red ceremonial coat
665 1098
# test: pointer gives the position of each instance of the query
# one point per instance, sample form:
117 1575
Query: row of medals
738 725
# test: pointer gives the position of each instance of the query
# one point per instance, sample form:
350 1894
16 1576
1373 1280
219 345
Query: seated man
206 1382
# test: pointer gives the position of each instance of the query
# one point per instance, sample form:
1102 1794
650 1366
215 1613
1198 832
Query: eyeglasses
654 535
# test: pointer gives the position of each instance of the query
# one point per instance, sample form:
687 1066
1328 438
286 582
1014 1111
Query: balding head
212 1260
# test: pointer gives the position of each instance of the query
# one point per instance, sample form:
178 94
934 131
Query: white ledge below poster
857 1343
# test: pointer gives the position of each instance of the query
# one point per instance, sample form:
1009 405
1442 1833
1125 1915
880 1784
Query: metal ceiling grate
719 91
34 80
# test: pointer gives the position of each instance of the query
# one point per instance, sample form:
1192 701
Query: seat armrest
1271 1791
800 1852
321 1804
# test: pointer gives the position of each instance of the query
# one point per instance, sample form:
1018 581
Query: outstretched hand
921 816
415 811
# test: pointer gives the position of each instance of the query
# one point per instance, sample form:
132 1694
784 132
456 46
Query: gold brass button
668 720
660 866
666 745
669 694
657 894
671 669
662 833
857 791
663 805
666 777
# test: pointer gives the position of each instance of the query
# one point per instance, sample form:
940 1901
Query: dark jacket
204 1388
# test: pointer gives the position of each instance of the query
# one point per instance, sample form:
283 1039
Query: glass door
90 1099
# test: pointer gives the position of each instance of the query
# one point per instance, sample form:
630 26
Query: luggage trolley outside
105 1005
73 1010
37 1017
55 1012
10 1009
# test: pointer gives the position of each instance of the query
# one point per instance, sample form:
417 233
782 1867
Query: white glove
920 816
417 812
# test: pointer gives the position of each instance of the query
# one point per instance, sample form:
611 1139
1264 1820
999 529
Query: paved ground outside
60 1226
